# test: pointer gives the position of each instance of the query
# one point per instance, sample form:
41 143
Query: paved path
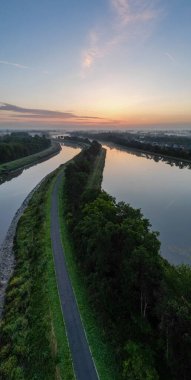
82 360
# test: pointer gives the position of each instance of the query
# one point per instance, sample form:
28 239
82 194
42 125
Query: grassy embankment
21 163
102 353
34 342
33 339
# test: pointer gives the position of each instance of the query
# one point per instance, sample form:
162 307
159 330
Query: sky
102 63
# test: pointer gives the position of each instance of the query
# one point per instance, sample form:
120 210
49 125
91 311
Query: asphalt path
83 363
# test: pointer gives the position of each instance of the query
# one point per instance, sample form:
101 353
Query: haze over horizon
107 64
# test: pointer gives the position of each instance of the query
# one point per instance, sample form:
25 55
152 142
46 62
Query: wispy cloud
98 49
130 18
93 50
20 66
37 113
130 11
170 57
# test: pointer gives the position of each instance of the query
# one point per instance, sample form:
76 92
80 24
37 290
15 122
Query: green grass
28 160
101 351
95 179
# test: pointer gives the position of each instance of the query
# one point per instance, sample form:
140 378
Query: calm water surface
161 191
13 192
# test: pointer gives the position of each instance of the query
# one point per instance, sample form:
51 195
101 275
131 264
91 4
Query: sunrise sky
94 63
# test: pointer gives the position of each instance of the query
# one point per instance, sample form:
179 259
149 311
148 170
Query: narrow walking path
83 363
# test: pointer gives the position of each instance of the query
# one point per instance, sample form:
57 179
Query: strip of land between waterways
83 363
14 168
6 249
7 261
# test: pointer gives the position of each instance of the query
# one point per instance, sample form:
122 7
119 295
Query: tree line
20 144
141 301
127 140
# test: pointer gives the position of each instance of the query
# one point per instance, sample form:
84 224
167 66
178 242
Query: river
161 191
14 191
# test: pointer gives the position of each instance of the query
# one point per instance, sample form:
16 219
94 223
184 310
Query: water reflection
161 190
13 192
181 164
10 176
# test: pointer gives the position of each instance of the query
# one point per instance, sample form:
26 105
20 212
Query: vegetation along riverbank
6 249
135 306
142 302
33 339
20 150
175 149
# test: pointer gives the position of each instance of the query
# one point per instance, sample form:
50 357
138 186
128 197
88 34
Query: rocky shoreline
7 260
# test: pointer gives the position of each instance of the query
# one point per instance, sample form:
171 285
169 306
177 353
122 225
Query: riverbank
32 303
33 252
6 249
100 348
149 154
15 167
132 291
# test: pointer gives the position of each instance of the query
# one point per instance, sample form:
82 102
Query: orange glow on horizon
110 118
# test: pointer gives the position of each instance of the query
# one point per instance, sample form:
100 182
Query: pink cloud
130 17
